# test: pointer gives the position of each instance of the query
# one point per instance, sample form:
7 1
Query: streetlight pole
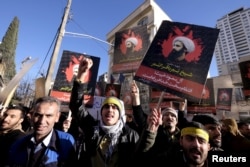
53 59
88 36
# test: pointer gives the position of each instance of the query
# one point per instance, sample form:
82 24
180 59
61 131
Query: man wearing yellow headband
213 126
194 142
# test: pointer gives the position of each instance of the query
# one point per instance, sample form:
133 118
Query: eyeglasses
113 106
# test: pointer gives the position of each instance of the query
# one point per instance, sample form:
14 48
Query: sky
40 20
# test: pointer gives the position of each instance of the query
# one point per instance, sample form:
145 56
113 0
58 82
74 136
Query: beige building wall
155 17
148 9
239 108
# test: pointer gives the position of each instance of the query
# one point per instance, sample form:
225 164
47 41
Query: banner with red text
245 76
66 74
224 99
207 102
130 47
178 59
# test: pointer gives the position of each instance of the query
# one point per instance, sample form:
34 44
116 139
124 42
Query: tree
24 91
8 50
2 69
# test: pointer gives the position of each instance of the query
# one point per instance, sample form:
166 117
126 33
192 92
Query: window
143 21
239 94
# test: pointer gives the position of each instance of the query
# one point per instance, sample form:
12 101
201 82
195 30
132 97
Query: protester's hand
154 120
66 124
84 69
135 94
182 105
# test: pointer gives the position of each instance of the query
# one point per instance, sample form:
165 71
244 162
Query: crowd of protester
43 136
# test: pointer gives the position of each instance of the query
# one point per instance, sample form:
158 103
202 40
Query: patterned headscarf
114 131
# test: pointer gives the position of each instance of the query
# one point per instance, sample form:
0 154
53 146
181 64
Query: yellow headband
113 100
195 131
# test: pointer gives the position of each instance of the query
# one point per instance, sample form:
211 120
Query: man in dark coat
194 142
10 129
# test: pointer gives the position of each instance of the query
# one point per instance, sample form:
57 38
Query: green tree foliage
8 49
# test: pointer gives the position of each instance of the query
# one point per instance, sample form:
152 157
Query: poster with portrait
67 72
178 59
245 77
224 99
207 102
167 101
130 47
112 90
100 88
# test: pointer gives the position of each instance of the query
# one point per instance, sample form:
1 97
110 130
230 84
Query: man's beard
168 125
130 50
214 144
173 55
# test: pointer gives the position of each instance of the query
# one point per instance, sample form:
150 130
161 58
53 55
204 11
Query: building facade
148 14
233 47
230 48
233 41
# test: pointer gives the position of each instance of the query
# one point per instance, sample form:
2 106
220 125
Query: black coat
93 134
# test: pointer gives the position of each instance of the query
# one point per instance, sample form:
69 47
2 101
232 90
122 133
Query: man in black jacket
10 129
213 126
193 141
108 140
168 133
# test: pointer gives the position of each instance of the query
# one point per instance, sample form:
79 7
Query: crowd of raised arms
42 136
